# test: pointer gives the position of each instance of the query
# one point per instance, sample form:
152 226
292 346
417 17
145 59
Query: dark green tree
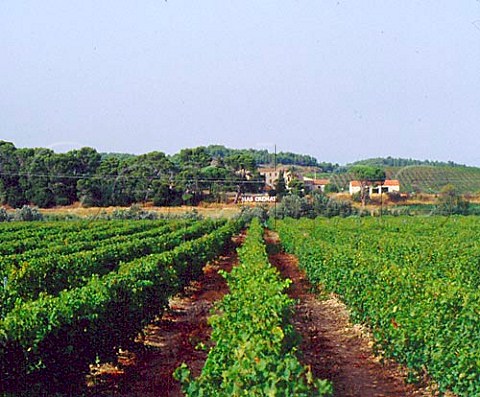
367 175
451 202
196 157
11 192
280 186
241 163
37 170
297 187
63 178
105 187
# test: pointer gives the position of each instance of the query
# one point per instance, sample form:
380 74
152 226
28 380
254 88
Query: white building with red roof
388 186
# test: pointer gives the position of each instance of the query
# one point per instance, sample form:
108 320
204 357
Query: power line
126 176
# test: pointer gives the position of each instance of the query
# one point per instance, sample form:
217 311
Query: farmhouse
312 184
388 186
271 176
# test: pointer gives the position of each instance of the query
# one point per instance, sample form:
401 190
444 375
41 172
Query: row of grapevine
54 273
89 240
12 231
69 232
414 281
54 336
430 179
255 345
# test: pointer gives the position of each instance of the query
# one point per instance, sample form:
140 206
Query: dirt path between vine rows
333 347
169 341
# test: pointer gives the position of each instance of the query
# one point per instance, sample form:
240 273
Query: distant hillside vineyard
424 178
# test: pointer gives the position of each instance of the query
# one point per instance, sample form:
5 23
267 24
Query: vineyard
74 293
422 178
413 281
255 350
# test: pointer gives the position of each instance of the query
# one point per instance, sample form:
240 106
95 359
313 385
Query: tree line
402 162
265 157
41 177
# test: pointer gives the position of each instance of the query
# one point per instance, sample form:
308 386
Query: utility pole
276 195
381 200
275 158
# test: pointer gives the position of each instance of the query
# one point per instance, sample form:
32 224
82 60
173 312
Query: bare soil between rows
333 347
168 342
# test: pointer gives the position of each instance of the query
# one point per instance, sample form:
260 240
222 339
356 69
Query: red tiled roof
267 170
391 182
316 181
388 182
321 181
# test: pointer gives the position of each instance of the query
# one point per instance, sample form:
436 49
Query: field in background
422 178
207 210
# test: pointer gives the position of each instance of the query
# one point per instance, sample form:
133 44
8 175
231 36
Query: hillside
424 178
403 162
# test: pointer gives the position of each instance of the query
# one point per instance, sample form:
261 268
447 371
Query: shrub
318 204
27 213
247 214
292 206
396 197
450 202
134 212
4 215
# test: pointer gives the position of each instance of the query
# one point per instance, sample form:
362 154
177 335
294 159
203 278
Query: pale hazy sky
339 80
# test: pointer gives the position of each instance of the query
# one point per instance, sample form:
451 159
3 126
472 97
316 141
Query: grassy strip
255 345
